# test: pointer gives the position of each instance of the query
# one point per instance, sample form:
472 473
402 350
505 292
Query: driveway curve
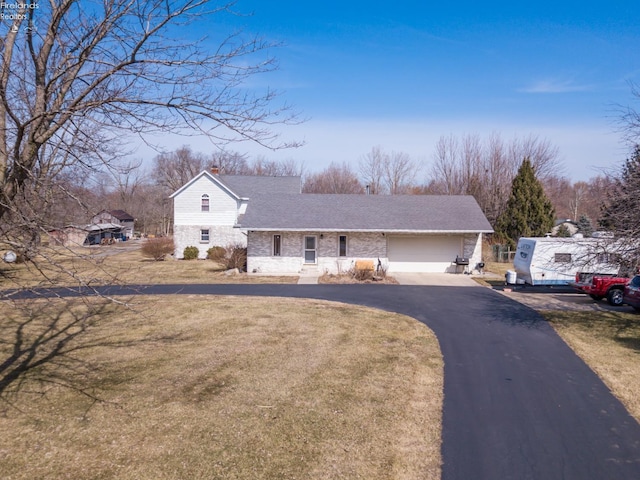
518 403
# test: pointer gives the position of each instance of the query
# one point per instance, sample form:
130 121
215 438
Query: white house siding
223 207
360 246
189 219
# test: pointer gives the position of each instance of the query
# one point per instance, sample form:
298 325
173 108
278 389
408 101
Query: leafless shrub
229 257
158 248
236 257
362 274
217 254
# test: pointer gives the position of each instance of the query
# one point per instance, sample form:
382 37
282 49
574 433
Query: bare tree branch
89 72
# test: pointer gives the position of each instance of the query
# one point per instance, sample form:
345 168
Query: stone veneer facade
219 236
472 248
360 246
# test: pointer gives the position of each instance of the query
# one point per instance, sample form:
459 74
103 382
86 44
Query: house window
342 246
277 245
205 203
204 235
562 258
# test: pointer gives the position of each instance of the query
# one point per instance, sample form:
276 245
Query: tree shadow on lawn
43 345
621 326
628 330
630 343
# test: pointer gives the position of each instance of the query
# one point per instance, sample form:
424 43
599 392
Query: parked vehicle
632 293
599 286
556 261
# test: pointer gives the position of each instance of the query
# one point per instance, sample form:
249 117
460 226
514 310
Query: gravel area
540 298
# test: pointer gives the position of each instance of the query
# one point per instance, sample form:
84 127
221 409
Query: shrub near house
233 256
190 253
158 248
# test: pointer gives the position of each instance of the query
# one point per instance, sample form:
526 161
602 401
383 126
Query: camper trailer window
562 258
607 258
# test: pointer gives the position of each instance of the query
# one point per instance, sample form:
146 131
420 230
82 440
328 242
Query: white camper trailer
555 261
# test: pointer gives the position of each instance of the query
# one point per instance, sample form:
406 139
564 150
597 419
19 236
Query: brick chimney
215 170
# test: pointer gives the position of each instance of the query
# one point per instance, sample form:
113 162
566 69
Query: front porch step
309 274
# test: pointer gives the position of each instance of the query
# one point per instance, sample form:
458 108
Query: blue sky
401 74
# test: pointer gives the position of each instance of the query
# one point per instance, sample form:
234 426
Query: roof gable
245 186
213 178
406 213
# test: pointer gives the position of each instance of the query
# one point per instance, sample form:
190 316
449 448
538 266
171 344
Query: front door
310 249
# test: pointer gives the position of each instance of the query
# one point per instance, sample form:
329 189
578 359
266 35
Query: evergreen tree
621 212
585 227
529 211
563 231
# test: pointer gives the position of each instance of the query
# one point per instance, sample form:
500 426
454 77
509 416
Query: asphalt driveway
435 279
518 403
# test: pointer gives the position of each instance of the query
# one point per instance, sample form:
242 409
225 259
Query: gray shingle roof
418 213
122 215
248 185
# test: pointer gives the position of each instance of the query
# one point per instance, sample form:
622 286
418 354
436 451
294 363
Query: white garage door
423 253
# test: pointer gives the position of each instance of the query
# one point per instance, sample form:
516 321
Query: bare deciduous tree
230 163
629 119
399 173
445 167
466 166
76 77
334 179
579 191
171 170
574 200
275 168
388 173
558 190
371 169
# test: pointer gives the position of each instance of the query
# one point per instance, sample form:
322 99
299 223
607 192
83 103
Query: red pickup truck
599 286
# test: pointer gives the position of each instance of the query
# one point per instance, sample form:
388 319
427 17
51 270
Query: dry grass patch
609 342
224 387
118 264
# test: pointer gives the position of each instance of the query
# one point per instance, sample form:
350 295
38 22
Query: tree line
467 165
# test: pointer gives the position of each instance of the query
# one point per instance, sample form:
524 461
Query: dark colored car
632 293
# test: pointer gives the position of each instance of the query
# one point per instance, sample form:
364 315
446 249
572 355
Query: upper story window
205 203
